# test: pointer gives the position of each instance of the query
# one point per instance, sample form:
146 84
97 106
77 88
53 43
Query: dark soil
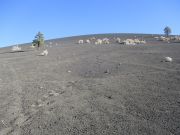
91 89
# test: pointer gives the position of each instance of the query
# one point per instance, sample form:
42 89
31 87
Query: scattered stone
44 53
118 40
16 48
62 92
98 42
133 42
50 102
56 94
93 38
168 59
88 41
53 93
106 71
4 123
81 41
164 38
109 97
33 105
69 71
106 41
40 105
44 97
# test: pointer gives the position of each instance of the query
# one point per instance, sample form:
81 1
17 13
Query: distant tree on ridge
167 31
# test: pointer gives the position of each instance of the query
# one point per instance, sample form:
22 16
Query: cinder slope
91 89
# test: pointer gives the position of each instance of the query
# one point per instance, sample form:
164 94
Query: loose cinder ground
112 89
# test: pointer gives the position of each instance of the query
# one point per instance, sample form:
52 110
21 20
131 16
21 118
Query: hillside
88 89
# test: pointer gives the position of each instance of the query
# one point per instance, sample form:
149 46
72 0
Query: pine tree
167 31
38 40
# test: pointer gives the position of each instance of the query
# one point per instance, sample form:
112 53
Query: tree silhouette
38 40
167 31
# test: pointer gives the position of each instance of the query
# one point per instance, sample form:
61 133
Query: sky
20 20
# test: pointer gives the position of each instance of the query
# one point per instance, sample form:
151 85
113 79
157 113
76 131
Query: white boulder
93 38
98 42
168 59
106 40
80 41
88 41
118 40
16 48
143 42
44 53
129 42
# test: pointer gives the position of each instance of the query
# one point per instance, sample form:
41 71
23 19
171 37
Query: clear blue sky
20 20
